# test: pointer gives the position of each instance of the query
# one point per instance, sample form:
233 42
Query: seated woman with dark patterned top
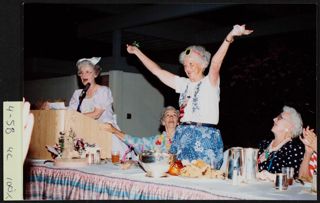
283 150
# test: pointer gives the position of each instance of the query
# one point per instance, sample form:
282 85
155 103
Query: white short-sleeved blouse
101 99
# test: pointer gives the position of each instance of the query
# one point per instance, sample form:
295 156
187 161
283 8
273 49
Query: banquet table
108 181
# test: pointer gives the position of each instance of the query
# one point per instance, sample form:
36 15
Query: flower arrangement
69 146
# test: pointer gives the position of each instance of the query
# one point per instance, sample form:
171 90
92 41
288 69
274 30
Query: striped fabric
313 163
44 183
109 182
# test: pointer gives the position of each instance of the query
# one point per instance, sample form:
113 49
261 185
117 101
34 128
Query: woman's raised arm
165 76
218 57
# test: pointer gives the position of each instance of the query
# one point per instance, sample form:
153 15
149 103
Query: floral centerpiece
69 146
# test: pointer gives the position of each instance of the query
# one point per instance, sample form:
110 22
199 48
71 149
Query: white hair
295 119
95 67
197 53
168 108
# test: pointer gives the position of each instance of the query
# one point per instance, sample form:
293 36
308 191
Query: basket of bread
195 169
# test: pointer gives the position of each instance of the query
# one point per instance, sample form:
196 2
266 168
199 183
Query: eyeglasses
84 73
188 51
170 115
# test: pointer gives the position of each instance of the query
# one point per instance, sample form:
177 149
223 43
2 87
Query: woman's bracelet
229 41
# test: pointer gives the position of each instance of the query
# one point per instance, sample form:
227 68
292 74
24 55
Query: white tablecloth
210 187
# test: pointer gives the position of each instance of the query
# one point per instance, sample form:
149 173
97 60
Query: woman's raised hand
239 30
131 49
309 139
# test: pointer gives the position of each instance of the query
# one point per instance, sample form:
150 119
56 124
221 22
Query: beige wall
133 94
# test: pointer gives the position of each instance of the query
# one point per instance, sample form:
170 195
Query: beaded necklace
183 98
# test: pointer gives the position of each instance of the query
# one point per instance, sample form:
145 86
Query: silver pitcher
250 164
234 162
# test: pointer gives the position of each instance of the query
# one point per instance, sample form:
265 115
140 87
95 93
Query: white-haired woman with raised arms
197 137
284 150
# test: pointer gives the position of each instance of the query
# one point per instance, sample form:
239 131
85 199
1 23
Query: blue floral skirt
197 142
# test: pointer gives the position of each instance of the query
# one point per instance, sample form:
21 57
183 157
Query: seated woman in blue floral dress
160 142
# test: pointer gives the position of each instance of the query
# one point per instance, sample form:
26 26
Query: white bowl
155 164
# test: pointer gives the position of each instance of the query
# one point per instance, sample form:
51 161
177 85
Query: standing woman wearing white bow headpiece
98 99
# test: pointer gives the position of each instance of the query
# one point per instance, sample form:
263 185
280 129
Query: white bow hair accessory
93 60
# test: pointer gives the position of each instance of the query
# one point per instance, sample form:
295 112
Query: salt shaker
97 157
235 176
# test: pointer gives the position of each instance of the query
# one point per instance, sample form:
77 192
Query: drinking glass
281 182
115 157
314 182
289 171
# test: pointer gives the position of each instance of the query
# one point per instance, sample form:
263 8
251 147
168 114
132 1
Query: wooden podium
49 123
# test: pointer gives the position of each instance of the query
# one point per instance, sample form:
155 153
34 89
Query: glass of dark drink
289 171
115 157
